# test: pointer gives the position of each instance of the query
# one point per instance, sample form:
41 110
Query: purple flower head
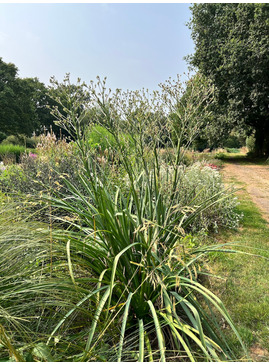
32 155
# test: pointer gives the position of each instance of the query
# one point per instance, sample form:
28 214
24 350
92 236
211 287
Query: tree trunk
259 141
262 142
266 143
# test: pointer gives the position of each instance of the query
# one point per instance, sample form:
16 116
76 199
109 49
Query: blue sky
134 45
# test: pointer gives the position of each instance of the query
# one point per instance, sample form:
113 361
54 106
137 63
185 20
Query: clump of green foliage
22 140
250 143
200 182
100 139
2 136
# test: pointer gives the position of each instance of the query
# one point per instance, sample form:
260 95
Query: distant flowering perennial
2 167
210 165
32 155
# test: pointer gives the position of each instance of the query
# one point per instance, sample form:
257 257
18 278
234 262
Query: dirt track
256 178
256 181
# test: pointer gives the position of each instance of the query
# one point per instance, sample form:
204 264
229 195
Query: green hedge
11 153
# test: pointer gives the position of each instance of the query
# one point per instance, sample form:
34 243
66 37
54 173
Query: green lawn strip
245 290
241 157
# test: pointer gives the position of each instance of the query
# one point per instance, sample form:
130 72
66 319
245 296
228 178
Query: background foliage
231 49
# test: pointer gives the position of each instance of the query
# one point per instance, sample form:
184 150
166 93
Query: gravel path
256 178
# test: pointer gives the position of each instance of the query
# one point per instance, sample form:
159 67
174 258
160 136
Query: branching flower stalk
185 107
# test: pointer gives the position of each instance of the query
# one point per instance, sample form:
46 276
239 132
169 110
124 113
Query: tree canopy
23 102
232 49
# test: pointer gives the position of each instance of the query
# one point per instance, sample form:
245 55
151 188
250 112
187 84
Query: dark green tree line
23 103
232 50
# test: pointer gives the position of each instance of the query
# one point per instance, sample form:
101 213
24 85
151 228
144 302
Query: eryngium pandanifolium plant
131 292
131 243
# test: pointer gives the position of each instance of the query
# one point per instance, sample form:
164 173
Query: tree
23 102
232 49
8 115
41 103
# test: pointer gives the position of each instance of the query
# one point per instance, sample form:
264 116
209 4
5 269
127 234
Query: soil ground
256 179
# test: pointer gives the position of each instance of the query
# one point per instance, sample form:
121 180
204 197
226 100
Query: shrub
100 139
250 143
12 139
201 182
22 140
233 141
18 139
200 144
220 153
233 150
32 142
103 144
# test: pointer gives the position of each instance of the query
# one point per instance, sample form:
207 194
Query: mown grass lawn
243 285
